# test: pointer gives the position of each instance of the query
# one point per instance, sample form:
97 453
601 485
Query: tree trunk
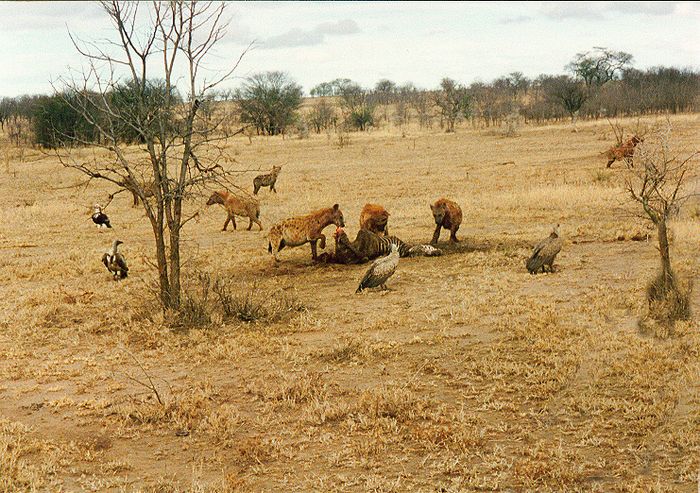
665 254
574 117
175 253
162 262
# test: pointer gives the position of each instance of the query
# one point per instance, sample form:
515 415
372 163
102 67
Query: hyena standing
305 229
247 207
447 215
266 180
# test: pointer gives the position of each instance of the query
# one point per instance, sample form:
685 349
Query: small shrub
195 310
362 118
668 300
602 177
512 122
342 138
254 304
301 128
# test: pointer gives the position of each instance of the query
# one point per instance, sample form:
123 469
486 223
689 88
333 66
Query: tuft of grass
669 300
195 310
253 303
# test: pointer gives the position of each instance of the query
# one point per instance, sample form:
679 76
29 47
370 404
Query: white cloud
317 35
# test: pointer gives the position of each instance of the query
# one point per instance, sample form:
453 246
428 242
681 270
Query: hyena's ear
432 207
336 207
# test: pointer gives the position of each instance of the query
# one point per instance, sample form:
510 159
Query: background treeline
600 83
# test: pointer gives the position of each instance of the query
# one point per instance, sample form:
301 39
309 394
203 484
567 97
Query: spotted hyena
297 231
374 218
623 151
267 180
447 215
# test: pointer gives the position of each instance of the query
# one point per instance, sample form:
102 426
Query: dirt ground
468 375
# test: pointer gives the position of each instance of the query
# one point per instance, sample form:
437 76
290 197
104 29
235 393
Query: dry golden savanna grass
469 375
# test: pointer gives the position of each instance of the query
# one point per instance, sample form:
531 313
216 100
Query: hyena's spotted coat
267 180
448 215
297 231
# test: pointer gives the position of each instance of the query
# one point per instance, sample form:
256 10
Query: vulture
114 261
381 270
99 217
545 252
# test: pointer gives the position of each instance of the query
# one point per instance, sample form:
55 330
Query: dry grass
469 374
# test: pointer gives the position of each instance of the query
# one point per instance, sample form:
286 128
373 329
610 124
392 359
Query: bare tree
454 102
176 149
659 183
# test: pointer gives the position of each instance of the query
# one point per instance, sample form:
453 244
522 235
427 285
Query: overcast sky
417 42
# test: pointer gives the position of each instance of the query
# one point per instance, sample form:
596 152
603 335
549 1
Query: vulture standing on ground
381 270
114 261
545 252
99 217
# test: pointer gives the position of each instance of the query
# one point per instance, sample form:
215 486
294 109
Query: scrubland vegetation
470 374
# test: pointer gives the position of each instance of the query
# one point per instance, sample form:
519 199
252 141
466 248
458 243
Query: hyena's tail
269 247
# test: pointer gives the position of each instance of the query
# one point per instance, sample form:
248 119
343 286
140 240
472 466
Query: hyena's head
337 216
439 212
214 199
276 170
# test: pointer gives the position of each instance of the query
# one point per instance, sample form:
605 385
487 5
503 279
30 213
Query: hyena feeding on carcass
297 231
375 218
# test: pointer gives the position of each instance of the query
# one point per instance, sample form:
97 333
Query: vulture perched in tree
99 217
545 252
381 270
114 261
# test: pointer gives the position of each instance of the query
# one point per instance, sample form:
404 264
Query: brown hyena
237 206
447 215
623 151
305 229
374 218
267 180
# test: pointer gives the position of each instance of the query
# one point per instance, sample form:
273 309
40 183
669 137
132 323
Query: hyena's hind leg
453 235
275 244
256 221
321 240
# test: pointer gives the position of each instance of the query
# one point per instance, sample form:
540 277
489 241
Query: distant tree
269 101
7 106
140 105
322 89
359 105
57 121
569 93
385 91
423 103
322 117
453 101
600 65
